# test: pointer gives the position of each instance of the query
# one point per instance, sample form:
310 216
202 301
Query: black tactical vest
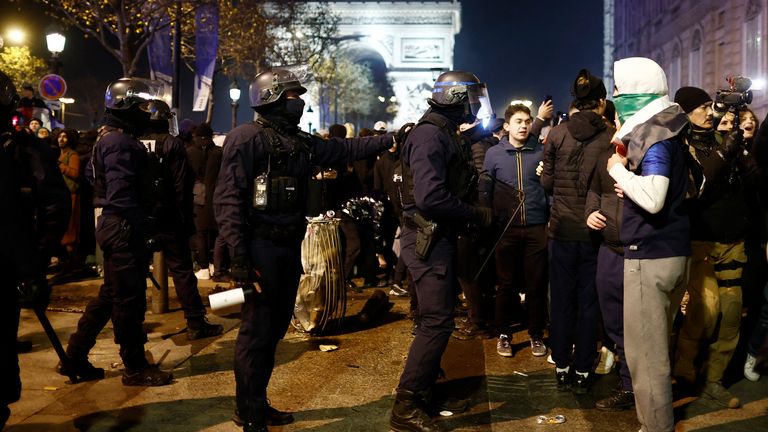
461 175
284 170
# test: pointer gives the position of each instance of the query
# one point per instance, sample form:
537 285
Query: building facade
697 42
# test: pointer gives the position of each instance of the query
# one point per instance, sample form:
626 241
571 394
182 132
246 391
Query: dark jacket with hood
205 160
570 157
602 196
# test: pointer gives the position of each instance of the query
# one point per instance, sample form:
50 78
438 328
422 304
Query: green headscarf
628 104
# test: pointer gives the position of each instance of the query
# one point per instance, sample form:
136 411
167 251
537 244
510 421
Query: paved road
349 389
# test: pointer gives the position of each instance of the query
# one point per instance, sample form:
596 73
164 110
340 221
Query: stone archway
412 39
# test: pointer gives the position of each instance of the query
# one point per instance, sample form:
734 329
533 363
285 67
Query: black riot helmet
268 86
9 100
126 93
460 88
160 113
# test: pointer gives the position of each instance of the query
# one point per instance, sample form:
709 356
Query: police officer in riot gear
260 206
172 213
35 213
438 180
125 231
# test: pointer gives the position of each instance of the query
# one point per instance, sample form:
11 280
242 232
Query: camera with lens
735 98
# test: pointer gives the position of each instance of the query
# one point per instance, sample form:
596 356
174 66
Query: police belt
282 234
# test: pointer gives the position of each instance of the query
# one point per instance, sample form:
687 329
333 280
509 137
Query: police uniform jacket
247 146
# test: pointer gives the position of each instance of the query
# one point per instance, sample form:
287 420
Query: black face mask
294 109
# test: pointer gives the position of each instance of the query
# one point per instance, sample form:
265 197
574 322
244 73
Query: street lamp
234 94
64 103
309 111
16 36
55 41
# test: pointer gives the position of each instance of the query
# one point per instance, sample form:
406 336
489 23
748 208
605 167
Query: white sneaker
211 269
607 360
549 359
203 274
749 368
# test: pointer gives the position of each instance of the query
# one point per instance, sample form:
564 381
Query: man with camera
718 226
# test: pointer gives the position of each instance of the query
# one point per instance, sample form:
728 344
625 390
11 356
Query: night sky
522 50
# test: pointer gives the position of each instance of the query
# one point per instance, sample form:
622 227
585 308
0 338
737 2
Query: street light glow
525 102
758 84
382 99
16 36
55 42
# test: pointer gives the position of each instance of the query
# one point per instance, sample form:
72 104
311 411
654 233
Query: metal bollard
160 273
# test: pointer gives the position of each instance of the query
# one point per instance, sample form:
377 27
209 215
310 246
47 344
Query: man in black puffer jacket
569 159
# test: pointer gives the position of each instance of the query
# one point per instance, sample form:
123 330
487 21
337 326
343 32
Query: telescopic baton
521 194
56 343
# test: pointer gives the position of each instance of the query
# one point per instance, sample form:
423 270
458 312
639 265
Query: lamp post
309 123
64 103
234 94
55 42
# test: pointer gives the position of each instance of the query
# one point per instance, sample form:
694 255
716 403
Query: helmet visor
479 102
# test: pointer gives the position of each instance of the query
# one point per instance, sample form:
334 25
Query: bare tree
122 27
257 34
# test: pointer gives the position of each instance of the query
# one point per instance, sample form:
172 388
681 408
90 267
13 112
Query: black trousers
521 266
609 282
434 282
178 259
265 319
122 297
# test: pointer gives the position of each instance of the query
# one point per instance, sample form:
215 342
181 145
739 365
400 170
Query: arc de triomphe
413 39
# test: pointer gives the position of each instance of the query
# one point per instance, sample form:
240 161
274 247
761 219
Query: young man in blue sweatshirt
521 256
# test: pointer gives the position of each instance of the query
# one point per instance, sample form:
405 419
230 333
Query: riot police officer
437 175
172 212
126 233
260 206
35 213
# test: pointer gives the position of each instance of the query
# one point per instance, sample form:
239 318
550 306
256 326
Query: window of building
673 79
694 61
753 39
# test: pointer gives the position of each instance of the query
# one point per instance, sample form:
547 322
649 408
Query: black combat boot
408 414
200 328
81 369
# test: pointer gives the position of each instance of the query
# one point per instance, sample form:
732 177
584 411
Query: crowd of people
587 229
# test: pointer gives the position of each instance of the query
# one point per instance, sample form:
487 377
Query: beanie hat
588 87
496 124
690 98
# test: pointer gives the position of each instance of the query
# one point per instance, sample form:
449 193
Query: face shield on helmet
128 92
160 111
479 102
268 86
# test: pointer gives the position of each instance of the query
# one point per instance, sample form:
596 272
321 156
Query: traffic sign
52 87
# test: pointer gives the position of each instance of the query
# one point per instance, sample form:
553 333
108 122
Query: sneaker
150 376
81 370
607 360
619 400
564 380
749 368
398 291
472 331
203 274
504 347
581 383
201 328
550 360
719 394
538 349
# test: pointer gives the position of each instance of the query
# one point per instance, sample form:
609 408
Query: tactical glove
34 294
482 216
402 134
240 269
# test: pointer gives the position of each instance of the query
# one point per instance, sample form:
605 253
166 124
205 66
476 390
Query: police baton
521 195
56 343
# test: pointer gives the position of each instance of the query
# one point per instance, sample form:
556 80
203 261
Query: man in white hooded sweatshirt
655 229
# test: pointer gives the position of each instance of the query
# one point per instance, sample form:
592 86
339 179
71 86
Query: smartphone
547 98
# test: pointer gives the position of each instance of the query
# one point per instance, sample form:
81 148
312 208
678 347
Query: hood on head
639 75
584 125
